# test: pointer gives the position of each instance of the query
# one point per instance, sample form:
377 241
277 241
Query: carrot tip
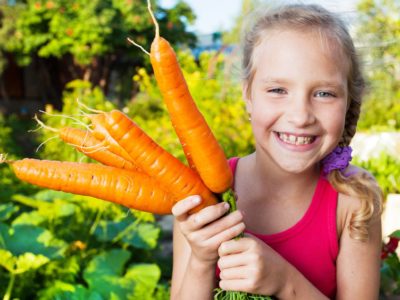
3 159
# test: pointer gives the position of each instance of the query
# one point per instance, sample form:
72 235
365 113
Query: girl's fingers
234 246
209 214
226 227
181 208
227 234
197 224
230 261
240 272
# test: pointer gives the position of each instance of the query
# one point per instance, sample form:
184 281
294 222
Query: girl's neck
280 183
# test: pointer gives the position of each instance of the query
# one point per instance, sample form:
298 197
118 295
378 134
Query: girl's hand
208 228
250 265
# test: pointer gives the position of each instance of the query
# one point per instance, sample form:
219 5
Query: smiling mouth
296 139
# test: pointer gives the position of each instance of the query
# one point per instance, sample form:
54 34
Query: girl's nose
300 112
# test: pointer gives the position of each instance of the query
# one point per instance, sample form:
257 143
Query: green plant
386 170
390 267
86 40
378 33
10 128
73 246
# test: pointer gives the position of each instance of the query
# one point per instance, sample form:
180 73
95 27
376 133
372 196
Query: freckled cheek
334 122
262 127
262 121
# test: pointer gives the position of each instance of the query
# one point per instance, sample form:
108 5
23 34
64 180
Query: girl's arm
358 263
190 277
196 239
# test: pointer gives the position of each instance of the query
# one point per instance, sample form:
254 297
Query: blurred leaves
378 32
84 29
386 170
20 239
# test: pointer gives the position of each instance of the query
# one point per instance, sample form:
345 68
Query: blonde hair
314 17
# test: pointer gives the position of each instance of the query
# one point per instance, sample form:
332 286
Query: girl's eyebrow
334 83
274 80
325 83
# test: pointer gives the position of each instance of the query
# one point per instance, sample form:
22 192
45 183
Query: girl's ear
246 98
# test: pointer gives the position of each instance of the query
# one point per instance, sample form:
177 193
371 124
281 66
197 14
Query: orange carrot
101 133
197 139
129 188
94 148
172 175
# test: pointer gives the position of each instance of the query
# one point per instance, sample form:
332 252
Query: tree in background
379 33
87 39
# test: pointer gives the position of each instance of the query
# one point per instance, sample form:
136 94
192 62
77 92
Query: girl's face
298 98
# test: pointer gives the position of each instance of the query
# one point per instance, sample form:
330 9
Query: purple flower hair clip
338 159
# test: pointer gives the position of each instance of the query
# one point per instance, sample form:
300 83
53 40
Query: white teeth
295 140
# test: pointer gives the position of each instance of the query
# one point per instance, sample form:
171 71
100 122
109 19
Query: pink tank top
311 245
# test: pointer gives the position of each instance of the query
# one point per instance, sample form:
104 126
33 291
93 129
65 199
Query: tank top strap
232 164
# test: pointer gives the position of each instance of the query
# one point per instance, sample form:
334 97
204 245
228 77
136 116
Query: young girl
312 221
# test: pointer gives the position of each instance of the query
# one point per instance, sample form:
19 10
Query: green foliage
77 247
390 275
8 145
10 129
386 170
379 32
390 267
85 30
7 27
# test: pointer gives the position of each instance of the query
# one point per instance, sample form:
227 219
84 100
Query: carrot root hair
77 121
157 27
137 45
42 125
80 104
44 142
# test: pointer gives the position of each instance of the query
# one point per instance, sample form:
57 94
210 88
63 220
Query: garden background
56 245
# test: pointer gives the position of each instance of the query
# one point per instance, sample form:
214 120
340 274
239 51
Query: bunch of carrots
135 171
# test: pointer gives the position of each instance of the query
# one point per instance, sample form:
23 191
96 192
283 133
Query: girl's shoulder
351 202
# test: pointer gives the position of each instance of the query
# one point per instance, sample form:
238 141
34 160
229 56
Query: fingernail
196 199
226 205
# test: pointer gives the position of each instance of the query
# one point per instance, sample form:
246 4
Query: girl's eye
277 91
324 94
